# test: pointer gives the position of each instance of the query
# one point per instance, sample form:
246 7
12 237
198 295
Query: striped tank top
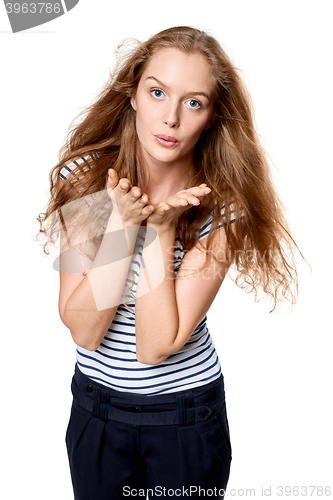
114 362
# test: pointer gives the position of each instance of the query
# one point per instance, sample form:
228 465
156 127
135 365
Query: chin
164 158
161 156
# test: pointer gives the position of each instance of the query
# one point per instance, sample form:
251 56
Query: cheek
141 120
144 127
146 113
195 132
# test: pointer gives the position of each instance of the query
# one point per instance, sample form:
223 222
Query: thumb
113 178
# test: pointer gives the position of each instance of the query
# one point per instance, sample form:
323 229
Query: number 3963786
33 8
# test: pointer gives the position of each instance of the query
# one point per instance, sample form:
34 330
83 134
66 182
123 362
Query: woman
160 188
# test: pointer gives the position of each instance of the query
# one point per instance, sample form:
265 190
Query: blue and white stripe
114 363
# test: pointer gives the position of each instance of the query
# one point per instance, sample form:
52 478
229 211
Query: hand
133 206
168 212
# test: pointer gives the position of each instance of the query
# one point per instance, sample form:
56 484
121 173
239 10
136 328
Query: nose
171 117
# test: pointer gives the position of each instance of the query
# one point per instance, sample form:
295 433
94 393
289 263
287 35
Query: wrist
131 223
117 222
162 227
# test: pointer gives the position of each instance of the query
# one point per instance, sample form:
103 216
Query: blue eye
196 103
158 91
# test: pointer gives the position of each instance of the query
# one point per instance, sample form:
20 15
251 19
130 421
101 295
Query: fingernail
207 191
123 186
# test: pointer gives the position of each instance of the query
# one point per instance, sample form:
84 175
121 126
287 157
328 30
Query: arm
167 316
88 303
158 307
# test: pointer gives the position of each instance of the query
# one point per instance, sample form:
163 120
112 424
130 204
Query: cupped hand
133 205
168 212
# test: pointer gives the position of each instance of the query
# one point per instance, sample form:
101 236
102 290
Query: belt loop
185 408
104 406
190 412
96 402
101 403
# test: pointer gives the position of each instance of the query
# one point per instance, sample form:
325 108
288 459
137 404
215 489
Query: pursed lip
166 137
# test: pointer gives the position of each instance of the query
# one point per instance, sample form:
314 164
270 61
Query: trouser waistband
182 407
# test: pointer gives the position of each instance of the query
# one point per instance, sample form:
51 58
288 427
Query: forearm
91 308
156 313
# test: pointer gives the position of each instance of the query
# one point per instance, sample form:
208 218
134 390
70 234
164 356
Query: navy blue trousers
123 445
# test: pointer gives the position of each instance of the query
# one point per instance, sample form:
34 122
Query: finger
135 193
124 185
148 209
112 180
143 200
163 208
175 202
188 198
199 190
198 193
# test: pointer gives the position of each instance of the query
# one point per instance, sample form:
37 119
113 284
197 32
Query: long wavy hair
228 157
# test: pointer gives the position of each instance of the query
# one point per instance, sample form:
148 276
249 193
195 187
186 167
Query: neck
166 179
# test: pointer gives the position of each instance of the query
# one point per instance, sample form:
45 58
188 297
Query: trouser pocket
222 421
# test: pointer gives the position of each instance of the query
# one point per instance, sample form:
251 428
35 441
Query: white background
277 368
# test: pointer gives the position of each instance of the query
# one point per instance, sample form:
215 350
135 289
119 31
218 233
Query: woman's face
174 104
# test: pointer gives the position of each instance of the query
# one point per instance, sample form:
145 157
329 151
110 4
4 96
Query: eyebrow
188 93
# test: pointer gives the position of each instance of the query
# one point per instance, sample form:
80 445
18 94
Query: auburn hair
228 157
